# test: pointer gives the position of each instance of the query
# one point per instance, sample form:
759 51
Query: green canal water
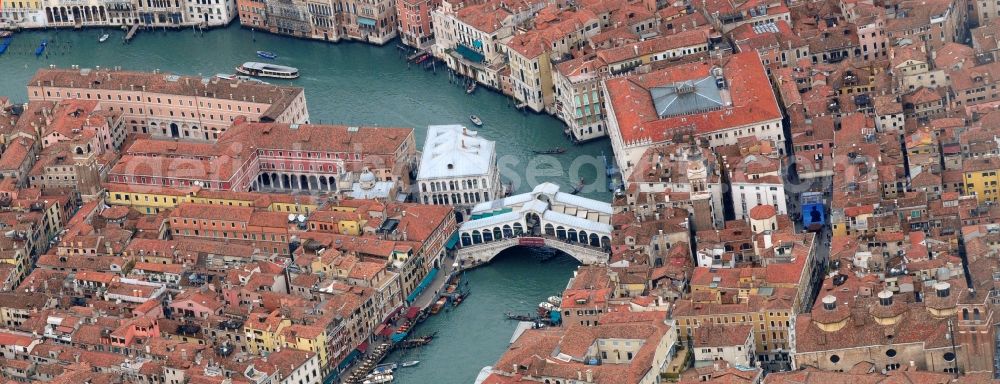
358 84
476 333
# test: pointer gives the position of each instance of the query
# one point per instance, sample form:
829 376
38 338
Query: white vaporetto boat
252 68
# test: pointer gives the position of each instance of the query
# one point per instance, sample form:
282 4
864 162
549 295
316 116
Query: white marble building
458 168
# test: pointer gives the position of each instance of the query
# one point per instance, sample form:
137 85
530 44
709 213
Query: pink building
136 328
415 21
263 156
195 304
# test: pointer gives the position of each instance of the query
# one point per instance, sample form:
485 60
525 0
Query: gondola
553 151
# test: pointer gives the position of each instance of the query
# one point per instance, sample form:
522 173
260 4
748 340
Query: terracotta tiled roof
638 119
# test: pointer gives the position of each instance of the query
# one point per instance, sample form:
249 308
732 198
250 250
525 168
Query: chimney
885 298
590 376
943 289
829 302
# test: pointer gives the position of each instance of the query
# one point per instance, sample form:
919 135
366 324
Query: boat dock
416 55
131 33
368 364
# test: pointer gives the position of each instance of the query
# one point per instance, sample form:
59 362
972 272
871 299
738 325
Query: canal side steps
485 252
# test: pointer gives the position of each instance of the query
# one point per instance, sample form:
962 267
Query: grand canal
358 84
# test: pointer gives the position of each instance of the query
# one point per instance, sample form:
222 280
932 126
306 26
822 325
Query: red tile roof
752 98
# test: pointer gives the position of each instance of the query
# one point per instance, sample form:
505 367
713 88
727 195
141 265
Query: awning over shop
386 331
423 285
412 313
470 54
366 21
452 241
348 360
363 347
477 44
380 328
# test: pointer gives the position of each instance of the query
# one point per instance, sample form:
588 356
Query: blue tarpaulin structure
452 241
366 21
423 285
399 336
470 54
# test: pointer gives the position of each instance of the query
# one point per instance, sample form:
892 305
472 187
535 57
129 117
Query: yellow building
980 178
18 258
771 317
264 332
152 200
338 219
307 338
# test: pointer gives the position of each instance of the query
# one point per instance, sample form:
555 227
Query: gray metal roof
687 97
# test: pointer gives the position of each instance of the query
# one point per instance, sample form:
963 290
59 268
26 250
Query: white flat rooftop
452 151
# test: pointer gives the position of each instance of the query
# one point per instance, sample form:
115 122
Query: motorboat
267 55
555 300
579 187
475 120
252 68
104 37
378 379
5 43
41 47
409 363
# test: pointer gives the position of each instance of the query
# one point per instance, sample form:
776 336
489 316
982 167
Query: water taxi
267 55
409 363
104 38
251 68
475 120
